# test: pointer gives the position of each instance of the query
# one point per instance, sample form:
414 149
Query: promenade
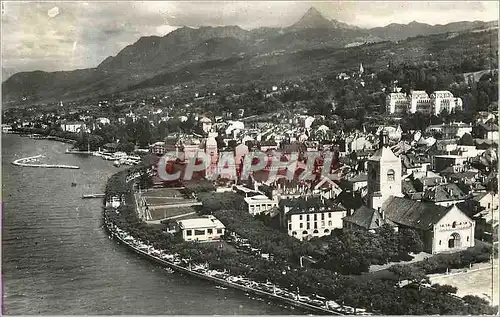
476 280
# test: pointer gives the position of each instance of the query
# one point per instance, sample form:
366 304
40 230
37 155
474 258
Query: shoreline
295 303
42 137
116 233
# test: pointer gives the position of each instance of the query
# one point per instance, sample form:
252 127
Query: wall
204 237
325 223
444 229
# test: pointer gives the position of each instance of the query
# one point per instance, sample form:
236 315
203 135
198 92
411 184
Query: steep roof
412 213
366 218
444 192
383 154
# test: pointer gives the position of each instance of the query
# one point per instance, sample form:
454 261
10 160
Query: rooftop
195 223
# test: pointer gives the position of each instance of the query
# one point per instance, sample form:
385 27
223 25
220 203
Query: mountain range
186 53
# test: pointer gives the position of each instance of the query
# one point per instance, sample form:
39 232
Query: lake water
57 259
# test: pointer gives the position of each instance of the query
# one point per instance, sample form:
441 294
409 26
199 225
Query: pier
24 162
90 196
68 151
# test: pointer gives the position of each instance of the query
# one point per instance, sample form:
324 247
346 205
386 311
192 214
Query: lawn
163 213
162 192
167 201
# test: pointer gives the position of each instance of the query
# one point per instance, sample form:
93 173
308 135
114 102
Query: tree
410 241
466 139
445 289
470 103
145 180
408 272
483 101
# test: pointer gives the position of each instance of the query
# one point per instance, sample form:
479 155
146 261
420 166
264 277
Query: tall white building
396 102
419 101
444 100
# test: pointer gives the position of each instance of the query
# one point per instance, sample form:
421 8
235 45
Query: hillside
313 45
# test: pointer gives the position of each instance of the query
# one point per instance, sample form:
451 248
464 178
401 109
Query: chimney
381 212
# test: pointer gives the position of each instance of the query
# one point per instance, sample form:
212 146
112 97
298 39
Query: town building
444 100
396 103
74 127
440 162
311 217
419 101
447 194
488 131
451 130
205 124
488 201
443 229
259 204
201 229
384 175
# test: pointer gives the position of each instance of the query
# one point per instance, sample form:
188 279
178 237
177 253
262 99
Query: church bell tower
384 174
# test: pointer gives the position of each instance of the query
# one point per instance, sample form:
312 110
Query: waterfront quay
217 277
173 261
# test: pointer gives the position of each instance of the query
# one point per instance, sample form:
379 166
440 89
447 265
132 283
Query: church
442 229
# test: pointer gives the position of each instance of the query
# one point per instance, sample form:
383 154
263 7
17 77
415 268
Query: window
454 224
322 216
289 226
322 224
315 217
467 239
315 225
199 232
308 226
329 215
219 231
301 225
294 233
330 223
390 175
439 242
304 232
307 217
300 217
315 231
210 231
327 231
188 232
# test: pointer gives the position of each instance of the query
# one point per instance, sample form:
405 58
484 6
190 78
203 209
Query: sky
53 36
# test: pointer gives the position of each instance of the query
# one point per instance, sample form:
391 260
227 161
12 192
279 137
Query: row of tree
376 295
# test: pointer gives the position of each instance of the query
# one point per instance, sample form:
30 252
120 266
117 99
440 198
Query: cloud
68 35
